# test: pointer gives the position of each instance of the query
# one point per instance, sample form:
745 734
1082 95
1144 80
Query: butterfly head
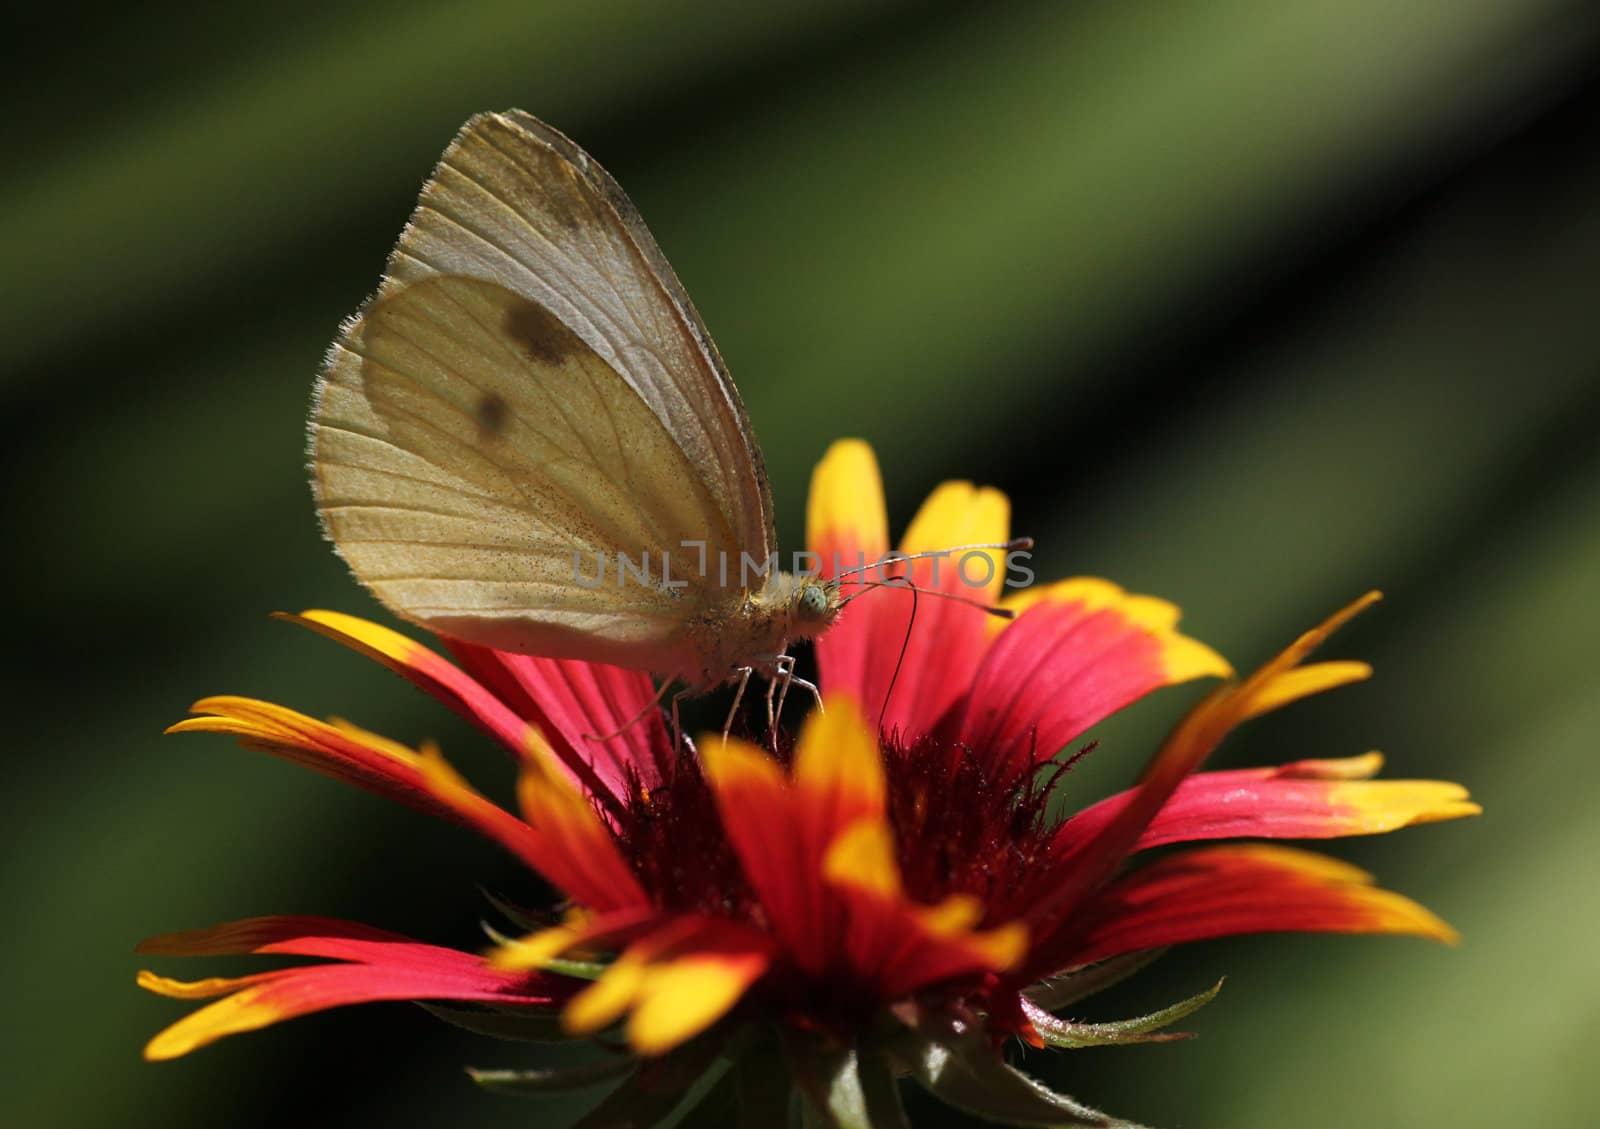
798 605
814 605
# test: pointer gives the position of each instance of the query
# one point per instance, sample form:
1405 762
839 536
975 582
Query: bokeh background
1250 304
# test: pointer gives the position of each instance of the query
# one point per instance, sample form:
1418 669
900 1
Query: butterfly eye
811 602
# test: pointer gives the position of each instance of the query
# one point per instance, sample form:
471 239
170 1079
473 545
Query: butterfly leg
816 695
677 725
781 672
784 677
653 703
743 673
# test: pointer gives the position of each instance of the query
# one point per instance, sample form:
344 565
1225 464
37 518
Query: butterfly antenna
905 643
1015 545
903 583
653 703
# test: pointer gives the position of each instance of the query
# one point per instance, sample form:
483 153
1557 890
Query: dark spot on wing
560 195
541 334
552 188
493 414
561 211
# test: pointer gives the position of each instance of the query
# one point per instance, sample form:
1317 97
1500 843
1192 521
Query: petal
676 982
780 827
908 656
209 988
353 755
764 824
455 688
1222 891
846 524
1079 651
838 769
1288 686
1094 858
958 514
565 852
1279 803
862 858
581 930
283 933
1277 683
682 997
846 528
900 946
386 969
580 855
422 668
1363 767
576 704
819 852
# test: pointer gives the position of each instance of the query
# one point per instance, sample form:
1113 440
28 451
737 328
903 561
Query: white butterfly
529 397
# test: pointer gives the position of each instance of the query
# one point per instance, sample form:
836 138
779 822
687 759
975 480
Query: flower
888 892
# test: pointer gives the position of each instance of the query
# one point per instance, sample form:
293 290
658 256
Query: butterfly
530 400
526 439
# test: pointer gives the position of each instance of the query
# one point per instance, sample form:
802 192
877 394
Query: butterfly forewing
515 201
529 393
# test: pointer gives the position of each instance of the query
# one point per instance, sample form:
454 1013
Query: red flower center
673 838
960 830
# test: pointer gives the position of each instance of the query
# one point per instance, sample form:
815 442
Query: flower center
673 837
959 830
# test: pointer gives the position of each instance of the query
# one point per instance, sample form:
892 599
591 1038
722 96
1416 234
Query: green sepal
1056 992
845 1088
555 1080
562 966
661 1092
577 969
525 919
524 1025
959 1067
1142 1029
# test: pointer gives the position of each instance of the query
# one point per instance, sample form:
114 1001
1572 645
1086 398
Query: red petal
390 968
1276 803
568 852
846 527
1223 891
912 668
353 755
675 981
1094 858
424 669
574 702
1081 650
780 825
899 946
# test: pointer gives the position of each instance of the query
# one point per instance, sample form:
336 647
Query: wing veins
681 321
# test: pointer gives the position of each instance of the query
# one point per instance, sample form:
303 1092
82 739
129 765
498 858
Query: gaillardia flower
889 893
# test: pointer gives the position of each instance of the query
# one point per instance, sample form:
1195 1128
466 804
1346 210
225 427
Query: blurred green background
1249 304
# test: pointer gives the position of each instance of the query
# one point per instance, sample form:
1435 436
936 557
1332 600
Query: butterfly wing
476 462
515 201
530 392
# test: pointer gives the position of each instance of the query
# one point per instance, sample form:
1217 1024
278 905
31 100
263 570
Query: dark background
1248 304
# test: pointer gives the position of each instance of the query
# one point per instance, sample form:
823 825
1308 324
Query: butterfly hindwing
475 463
